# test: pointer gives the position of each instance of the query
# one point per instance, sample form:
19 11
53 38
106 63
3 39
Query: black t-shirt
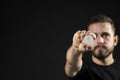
92 71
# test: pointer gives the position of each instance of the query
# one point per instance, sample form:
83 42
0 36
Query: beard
101 52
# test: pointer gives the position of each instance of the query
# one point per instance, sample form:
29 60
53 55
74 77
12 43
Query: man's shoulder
116 63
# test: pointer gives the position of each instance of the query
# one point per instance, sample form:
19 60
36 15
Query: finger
76 39
82 35
82 47
88 32
77 35
91 33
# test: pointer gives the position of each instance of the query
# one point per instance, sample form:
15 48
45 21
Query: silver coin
88 40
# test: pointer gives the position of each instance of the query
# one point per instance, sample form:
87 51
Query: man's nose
100 40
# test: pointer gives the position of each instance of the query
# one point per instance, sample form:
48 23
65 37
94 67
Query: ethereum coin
88 40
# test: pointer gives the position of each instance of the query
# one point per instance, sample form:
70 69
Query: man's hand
78 40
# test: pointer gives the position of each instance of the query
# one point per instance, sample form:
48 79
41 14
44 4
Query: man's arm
74 53
73 61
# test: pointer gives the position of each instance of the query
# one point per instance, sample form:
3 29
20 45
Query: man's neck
107 61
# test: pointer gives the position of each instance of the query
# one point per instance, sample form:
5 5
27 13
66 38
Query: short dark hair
102 18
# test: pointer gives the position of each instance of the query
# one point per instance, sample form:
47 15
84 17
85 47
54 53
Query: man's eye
105 35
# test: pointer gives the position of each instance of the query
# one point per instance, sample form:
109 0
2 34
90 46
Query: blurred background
35 35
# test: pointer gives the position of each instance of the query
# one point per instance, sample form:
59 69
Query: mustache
103 46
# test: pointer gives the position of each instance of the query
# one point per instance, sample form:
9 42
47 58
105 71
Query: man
101 65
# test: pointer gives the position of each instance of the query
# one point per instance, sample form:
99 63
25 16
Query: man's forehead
100 27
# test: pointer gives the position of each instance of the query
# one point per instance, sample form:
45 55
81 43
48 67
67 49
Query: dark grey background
35 35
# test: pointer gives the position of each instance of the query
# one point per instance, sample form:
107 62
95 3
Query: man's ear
116 39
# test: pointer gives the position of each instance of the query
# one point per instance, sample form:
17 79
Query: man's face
105 40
